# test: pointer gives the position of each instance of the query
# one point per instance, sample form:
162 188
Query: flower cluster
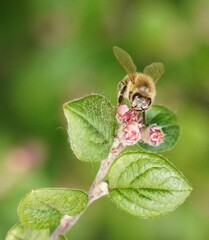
132 130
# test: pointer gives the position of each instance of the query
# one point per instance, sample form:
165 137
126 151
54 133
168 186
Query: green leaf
62 238
166 119
20 232
91 127
43 208
146 185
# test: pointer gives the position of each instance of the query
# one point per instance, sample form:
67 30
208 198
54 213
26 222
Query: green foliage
146 185
166 119
91 127
43 208
143 184
20 232
61 237
49 55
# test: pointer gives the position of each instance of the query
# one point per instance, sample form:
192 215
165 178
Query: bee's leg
142 114
122 88
143 118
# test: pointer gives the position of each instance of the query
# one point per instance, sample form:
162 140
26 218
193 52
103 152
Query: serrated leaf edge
65 107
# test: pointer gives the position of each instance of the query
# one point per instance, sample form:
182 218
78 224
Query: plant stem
97 190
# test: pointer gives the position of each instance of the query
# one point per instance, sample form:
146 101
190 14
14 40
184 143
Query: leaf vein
92 125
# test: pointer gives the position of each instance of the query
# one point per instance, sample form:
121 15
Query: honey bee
138 88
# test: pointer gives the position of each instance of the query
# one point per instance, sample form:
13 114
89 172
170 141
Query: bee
138 88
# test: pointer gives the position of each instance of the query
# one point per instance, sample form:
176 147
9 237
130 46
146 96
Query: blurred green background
53 51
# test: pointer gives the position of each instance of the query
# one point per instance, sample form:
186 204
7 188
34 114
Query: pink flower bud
125 114
122 109
153 135
131 133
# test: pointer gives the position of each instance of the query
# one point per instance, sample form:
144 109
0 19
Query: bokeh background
53 51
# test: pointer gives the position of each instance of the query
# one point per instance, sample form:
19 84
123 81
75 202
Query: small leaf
146 185
43 208
20 232
164 118
91 127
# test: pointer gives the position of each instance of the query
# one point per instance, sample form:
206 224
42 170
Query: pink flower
132 130
153 135
122 110
131 133
124 114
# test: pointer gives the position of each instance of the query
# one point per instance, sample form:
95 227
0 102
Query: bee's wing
154 70
125 61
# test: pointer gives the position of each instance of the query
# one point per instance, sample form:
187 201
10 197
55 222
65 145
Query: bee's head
140 102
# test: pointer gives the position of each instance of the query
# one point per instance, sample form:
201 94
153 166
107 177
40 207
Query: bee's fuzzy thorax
145 85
